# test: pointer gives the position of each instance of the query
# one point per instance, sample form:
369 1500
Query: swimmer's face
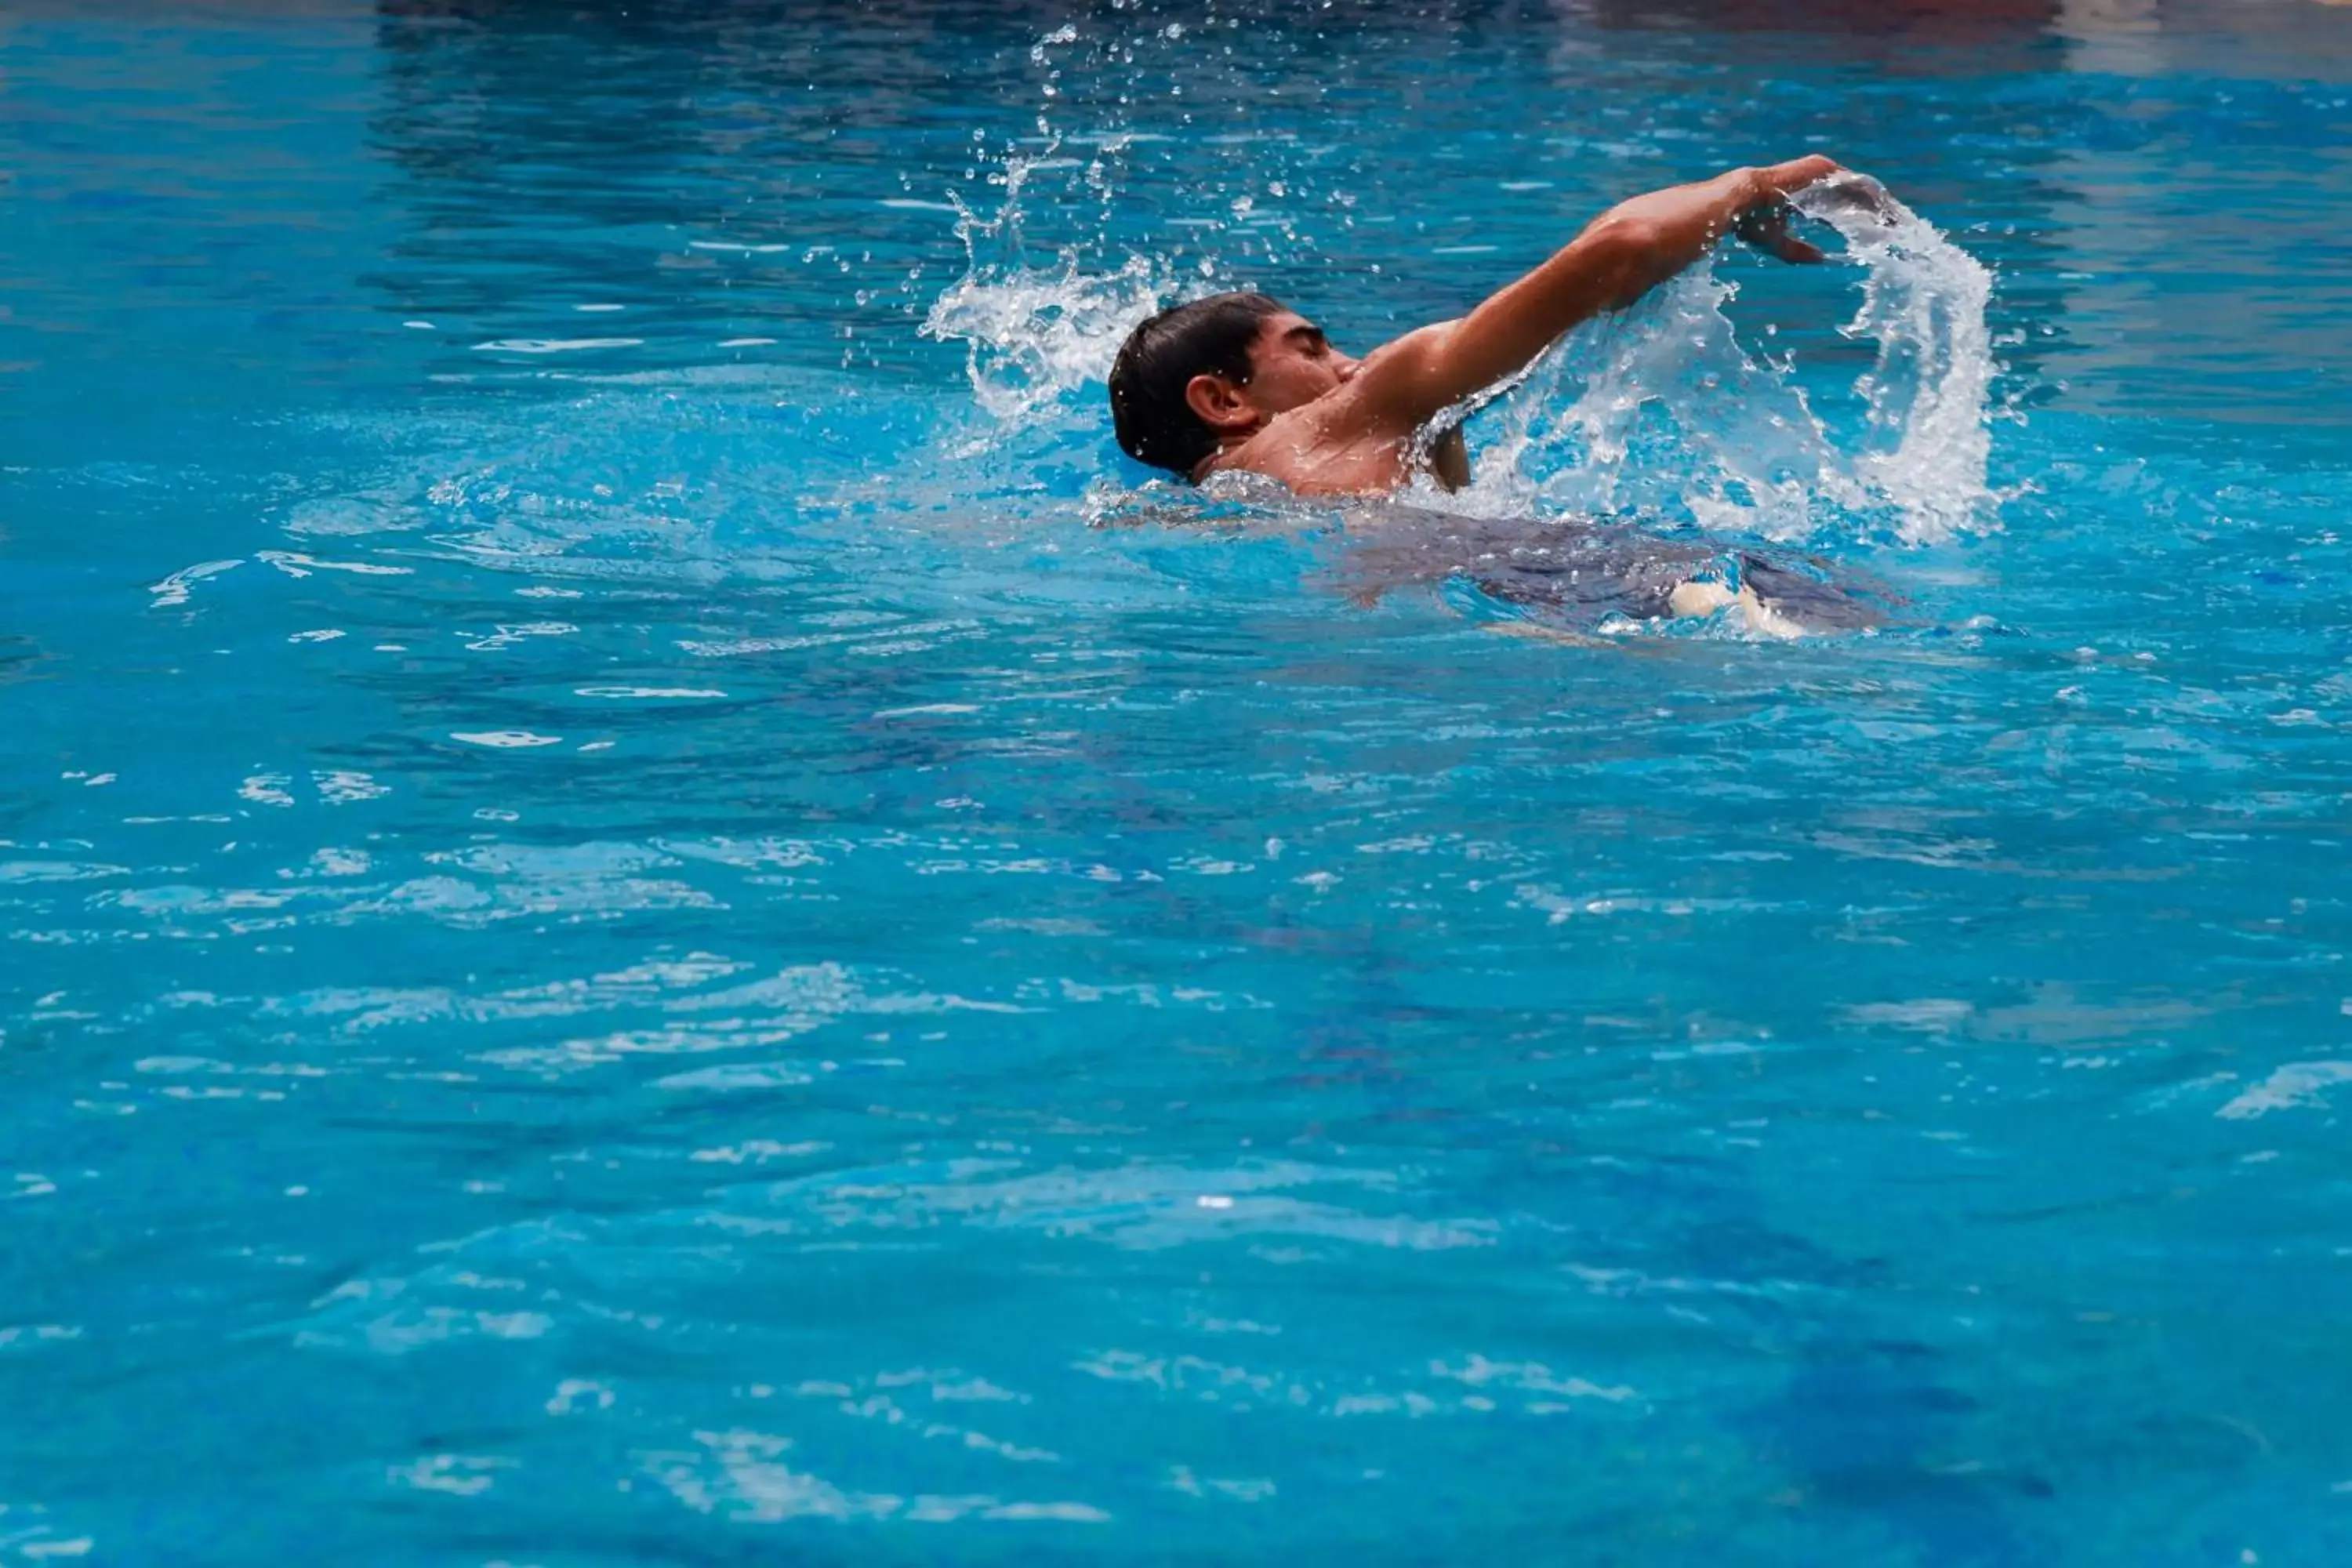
1291 364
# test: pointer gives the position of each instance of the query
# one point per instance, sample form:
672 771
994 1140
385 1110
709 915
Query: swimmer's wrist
1742 191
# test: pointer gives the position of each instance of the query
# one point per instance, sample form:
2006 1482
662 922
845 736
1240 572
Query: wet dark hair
1159 359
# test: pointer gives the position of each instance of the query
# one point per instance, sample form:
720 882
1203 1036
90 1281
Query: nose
1348 367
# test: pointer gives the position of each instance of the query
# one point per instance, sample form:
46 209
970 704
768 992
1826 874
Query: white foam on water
1032 334
175 589
505 740
555 345
2295 1084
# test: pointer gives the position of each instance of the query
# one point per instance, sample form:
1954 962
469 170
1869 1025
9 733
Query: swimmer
1241 382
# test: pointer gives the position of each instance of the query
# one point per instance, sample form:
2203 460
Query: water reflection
696 168
2204 287
1909 36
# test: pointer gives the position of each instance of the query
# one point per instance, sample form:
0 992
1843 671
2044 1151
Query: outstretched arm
1619 257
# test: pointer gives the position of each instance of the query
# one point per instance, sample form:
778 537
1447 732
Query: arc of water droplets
1662 410
1924 299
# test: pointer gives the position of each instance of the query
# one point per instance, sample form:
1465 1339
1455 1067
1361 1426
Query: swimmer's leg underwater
1578 573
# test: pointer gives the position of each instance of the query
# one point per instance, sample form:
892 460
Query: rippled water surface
655 912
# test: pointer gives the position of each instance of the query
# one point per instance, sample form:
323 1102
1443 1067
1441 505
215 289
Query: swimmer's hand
1766 228
1764 224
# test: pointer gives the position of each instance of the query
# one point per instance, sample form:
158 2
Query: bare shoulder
1324 449
1389 386
1408 346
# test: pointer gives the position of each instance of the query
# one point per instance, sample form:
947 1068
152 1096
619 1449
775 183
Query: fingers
1764 225
1798 173
1766 228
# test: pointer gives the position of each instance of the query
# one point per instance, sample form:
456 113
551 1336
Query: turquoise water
655 912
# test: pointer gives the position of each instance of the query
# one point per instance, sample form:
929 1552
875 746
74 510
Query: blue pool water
654 910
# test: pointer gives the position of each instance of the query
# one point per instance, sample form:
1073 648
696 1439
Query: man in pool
1241 381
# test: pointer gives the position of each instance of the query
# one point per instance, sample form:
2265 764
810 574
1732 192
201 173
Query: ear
1219 405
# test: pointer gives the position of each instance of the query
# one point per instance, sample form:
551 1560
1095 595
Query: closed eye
1310 340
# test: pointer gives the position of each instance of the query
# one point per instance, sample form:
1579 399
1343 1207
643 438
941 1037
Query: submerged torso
1579 570
1582 571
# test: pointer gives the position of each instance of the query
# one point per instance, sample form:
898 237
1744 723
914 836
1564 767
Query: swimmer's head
1213 370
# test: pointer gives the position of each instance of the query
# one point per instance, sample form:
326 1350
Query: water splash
1034 334
1664 410
1923 298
